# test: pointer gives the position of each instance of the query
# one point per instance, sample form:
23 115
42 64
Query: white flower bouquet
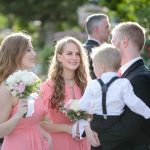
72 111
24 85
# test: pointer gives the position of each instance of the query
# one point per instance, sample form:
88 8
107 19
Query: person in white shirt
106 62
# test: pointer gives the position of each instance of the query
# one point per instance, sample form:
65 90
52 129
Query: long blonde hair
12 49
56 71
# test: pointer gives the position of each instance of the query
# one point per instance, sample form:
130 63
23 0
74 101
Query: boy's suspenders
104 92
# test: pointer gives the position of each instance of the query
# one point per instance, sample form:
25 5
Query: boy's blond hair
108 55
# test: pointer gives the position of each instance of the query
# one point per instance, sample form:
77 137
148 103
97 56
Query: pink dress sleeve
46 93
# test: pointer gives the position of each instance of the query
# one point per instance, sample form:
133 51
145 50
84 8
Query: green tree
133 10
57 15
28 10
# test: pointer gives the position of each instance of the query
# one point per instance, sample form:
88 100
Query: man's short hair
133 31
92 20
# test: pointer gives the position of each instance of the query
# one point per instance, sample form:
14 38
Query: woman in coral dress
16 53
67 80
27 133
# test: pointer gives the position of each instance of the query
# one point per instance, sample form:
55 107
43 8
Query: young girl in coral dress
16 53
67 79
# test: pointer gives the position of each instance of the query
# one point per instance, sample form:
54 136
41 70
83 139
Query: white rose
14 78
29 78
14 93
9 87
10 80
75 105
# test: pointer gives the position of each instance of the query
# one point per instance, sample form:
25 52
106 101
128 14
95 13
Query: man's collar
94 40
128 64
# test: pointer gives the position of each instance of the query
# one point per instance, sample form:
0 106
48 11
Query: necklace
70 83
72 92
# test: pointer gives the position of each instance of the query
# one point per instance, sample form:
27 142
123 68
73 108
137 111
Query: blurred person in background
98 31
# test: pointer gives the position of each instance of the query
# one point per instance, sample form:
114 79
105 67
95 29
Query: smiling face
28 58
70 57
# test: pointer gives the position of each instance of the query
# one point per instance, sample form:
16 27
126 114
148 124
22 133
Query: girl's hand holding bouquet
72 110
24 85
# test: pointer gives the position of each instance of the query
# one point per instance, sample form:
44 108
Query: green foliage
146 53
55 11
44 57
72 115
130 10
143 14
3 21
31 89
76 116
22 14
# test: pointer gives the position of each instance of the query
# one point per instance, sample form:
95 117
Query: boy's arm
134 103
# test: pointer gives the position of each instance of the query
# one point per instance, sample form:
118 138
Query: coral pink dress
62 141
27 135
